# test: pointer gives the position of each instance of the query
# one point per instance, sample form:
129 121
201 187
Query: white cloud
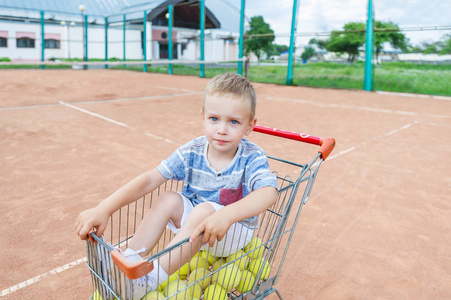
326 15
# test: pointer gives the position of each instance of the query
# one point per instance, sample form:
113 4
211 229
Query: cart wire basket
250 272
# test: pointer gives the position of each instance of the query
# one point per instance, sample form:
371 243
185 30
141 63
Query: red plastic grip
132 270
326 144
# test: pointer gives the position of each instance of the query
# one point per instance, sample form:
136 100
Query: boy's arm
97 217
216 225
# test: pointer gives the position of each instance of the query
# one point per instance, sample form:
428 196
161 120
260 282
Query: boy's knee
168 199
203 210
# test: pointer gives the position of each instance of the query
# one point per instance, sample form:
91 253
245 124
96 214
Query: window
25 42
52 44
3 42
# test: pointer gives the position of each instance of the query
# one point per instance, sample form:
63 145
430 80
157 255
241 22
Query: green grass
395 76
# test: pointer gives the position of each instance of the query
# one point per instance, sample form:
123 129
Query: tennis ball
229 277
208 256
246 283
96 296
257 264
171 278
255 245
176 287
215 292
240 263
198 274
183 271
198 263
154 295
196 288
219 263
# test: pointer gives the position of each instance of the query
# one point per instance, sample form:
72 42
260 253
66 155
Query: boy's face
227 120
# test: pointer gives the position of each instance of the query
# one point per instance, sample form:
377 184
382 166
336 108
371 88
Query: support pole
240 51
170 10
86 41
367 84
42 39
202 37
292 41
106 41
145 40
123 39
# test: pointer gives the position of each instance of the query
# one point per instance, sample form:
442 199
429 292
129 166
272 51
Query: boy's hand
91 220
214 228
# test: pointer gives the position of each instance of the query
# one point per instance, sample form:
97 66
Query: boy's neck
219 160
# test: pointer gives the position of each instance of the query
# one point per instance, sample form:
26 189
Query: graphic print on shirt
229 196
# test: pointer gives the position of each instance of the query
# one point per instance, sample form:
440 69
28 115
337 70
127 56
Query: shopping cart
250 273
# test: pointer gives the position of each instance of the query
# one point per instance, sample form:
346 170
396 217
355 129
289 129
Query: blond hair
235 85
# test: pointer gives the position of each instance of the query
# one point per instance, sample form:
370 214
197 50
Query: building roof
224 11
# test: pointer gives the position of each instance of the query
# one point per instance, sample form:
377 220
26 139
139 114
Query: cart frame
275 231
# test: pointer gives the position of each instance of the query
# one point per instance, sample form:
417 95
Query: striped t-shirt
248 171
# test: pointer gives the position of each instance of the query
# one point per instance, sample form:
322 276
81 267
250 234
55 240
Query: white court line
371 140
39 277
365 143
115 122
414 95
399 112
97 115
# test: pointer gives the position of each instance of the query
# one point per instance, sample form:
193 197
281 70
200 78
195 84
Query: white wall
71 42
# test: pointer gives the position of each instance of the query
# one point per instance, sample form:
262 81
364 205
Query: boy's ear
251 127
202 113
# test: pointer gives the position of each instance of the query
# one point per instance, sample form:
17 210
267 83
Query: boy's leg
172 261
168 206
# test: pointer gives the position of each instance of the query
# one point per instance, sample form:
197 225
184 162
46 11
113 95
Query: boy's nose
222 129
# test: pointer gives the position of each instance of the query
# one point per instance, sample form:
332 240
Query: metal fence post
292 41
202 37
367 84
42 39
170 37
240 51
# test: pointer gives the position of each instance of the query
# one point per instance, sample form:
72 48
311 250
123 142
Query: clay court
377 225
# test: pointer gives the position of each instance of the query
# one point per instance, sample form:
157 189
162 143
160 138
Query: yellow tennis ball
183 271
229 277
208 256
215 292
255 245
177 289
154 295
198 263
96 296
198 274
171 278
257 264
219 263
196 288
240 263
246 283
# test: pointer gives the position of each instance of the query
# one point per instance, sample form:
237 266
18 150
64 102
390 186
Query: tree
308 53
321 44
276 49
348 41
395 38
258 44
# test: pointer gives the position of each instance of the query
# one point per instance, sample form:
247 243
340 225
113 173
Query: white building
21 29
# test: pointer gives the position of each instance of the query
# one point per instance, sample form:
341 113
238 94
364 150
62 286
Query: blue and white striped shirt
248 171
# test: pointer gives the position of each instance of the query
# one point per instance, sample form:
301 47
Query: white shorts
235 239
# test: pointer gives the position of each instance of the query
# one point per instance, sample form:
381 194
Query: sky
327 15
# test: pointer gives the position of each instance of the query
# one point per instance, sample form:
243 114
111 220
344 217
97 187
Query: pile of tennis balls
239 275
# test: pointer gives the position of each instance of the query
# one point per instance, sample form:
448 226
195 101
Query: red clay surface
377 225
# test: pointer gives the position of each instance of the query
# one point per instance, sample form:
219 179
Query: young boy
227 184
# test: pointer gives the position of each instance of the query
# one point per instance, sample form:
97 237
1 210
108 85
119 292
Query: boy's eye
234 122
214 119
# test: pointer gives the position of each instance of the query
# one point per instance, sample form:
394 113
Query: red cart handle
326 144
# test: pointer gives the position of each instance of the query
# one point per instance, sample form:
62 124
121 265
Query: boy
227 183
